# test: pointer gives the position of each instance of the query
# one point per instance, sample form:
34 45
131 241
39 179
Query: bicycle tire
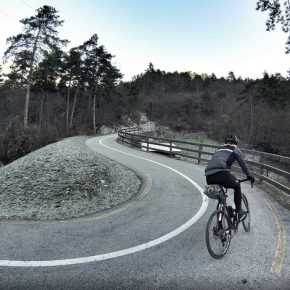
247 221
218 239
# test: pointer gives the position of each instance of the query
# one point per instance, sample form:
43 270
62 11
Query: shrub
18 142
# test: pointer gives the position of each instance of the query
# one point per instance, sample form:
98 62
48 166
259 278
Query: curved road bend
154 241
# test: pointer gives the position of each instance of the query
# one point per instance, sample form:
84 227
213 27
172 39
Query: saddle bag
213 191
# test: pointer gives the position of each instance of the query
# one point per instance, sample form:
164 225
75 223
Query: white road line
155 162
150 244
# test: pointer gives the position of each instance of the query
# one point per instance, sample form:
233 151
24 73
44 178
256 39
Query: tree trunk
94 114
42 100
67 108
94 106
26 108
90 98
73 107
251 118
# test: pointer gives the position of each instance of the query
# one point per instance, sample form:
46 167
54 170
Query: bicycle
223 221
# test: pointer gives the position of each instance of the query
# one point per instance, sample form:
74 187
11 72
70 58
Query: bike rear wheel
218 234
245 207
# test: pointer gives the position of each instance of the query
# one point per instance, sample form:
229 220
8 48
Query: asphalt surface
154 241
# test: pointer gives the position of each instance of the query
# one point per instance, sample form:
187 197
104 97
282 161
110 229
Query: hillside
63 180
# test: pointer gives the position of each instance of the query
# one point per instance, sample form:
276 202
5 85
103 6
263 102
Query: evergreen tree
278 14
231 76
98 70
28 48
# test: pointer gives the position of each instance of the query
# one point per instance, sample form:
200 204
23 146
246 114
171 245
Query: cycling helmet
233 139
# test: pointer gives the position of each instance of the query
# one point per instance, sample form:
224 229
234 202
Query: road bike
222 223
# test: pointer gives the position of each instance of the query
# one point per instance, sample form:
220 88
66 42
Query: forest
50 93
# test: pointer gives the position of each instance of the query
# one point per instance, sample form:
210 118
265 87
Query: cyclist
218 170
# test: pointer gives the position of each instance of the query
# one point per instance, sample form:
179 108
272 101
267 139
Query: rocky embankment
63 180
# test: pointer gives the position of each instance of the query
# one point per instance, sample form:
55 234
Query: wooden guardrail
268 167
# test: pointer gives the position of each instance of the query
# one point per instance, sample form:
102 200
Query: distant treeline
256 110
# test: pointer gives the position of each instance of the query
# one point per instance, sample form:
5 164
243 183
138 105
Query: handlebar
246 179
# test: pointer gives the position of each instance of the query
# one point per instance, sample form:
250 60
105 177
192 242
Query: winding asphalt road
154 241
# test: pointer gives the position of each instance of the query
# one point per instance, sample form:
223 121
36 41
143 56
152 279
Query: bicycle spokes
218 234
245 207
222 226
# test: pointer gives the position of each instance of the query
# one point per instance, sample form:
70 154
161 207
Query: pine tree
28 48
98 69
277 15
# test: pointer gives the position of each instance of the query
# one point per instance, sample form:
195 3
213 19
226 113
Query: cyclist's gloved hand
251 178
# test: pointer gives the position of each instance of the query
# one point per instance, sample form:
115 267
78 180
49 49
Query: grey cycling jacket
223 159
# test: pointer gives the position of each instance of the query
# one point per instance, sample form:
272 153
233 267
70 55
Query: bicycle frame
223 206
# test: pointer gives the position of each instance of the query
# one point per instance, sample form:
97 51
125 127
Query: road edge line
281 241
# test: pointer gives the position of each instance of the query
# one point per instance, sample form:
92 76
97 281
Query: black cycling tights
226 179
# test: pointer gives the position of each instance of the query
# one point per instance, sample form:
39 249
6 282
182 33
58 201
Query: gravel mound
63 180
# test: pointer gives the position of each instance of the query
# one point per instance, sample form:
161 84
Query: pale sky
203 36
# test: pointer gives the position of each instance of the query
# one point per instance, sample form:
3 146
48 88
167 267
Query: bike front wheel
218 234
245 207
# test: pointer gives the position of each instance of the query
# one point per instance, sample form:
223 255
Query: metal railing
268 167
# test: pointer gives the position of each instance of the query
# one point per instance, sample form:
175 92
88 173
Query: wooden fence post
261 167
200 148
